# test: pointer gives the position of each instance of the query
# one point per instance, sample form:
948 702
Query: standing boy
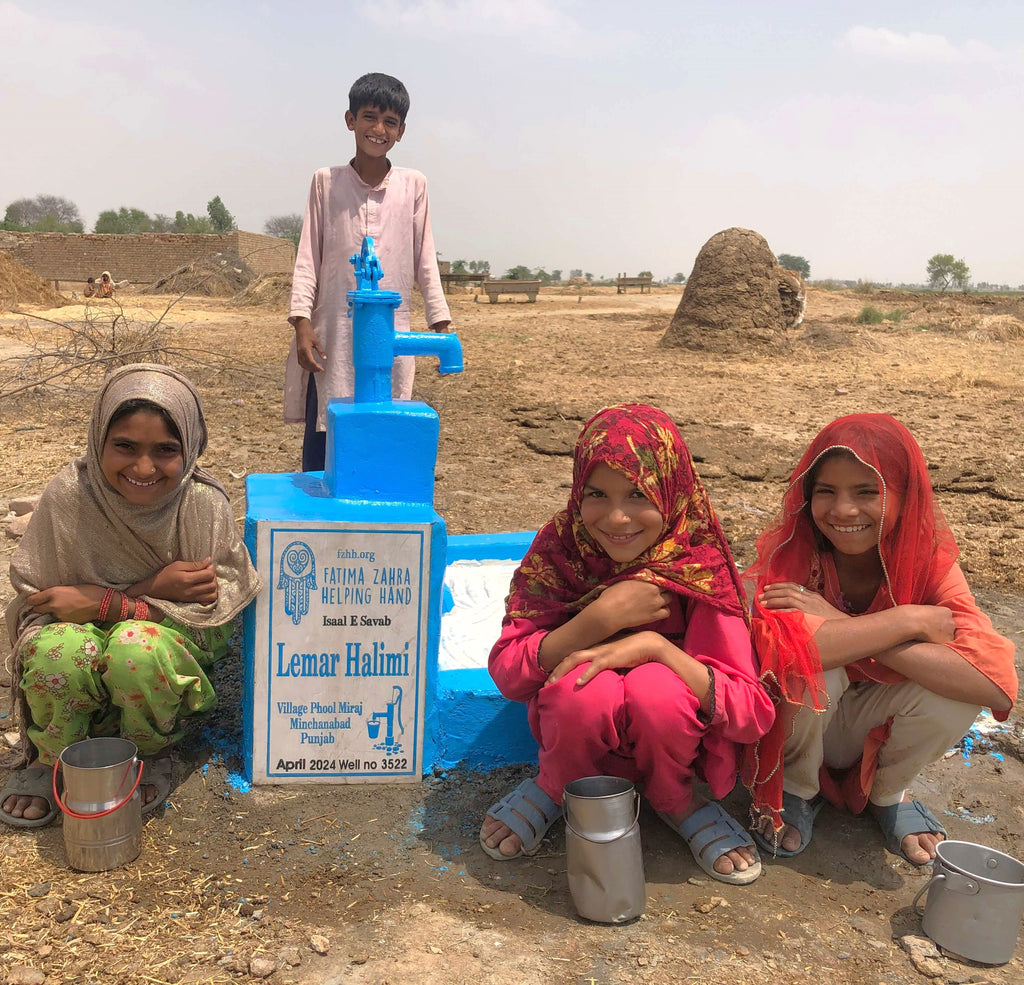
366 197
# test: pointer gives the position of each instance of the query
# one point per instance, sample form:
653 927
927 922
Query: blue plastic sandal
909 817
797 813
528 812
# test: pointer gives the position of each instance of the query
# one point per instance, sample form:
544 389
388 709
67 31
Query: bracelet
141 610
108 597
124 607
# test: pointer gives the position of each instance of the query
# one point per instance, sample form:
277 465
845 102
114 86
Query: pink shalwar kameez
341 210
643 724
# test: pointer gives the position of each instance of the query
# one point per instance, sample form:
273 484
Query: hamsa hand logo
297 579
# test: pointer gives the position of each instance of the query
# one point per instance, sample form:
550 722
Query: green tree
188 223
556 275
221 220
123 220
575 272
679 278
44 213
285 227
645 273
162 223
458 266
519 273
797 264
479 266
944 271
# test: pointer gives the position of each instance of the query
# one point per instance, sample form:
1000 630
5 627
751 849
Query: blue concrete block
469 722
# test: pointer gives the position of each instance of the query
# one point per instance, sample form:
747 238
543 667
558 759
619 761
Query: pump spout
446 347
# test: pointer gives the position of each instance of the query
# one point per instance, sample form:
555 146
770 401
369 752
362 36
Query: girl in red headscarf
869 640
626 635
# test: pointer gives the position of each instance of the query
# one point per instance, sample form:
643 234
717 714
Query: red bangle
124 606
141 610
108 597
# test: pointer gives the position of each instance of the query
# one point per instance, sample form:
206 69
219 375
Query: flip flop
797 813
528 812
909 817
34 782
709 833
156 773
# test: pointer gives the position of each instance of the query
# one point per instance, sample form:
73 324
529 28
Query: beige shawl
84 532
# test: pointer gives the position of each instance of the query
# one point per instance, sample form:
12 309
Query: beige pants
924 726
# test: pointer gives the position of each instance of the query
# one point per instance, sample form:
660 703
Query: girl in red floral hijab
625 633
869 640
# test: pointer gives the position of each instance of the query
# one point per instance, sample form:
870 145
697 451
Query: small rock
18 526
924 955
361 957
44 950
23 504
696 882
705 904
39 889
12 738
262 967
245 909
22 974
319 943
291 956
841 391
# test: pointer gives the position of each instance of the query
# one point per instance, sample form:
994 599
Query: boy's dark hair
382 91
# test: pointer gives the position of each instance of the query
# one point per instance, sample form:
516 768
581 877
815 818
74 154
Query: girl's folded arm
743 712
513 661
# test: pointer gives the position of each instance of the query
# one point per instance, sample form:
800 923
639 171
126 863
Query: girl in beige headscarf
128 580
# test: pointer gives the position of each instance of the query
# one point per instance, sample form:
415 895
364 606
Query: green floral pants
134 679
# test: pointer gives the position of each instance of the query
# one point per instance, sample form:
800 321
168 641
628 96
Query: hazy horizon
553 133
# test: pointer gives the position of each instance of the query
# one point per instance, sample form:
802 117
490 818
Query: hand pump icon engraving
391 715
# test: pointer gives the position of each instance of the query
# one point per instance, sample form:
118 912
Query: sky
607 136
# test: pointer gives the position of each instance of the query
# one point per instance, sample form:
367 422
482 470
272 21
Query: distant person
105 287
366 197
127 583
90 287
625 634
869 640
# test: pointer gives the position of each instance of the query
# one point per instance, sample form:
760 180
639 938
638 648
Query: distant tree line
53 214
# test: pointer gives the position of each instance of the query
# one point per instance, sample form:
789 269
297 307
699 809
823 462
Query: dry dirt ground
390 882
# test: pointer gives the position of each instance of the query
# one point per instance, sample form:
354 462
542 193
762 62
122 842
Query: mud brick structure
139 257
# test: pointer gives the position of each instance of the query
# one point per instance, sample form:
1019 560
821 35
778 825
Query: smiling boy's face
377 130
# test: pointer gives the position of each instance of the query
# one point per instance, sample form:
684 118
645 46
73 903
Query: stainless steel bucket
975 901
102 805
602 841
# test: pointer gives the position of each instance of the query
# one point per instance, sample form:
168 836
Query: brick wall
139 257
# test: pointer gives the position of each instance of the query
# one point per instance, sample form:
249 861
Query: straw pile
266 291
220 275
18 285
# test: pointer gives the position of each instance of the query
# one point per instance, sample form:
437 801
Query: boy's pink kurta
341 210
743 711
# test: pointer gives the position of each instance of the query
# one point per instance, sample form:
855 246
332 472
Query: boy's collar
383 183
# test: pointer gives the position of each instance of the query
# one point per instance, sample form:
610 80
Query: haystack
220 275
737 296
18 285
266 291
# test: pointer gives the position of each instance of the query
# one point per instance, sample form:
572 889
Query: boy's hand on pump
182 581
630 651
68 603
441 326
632 603
306 346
